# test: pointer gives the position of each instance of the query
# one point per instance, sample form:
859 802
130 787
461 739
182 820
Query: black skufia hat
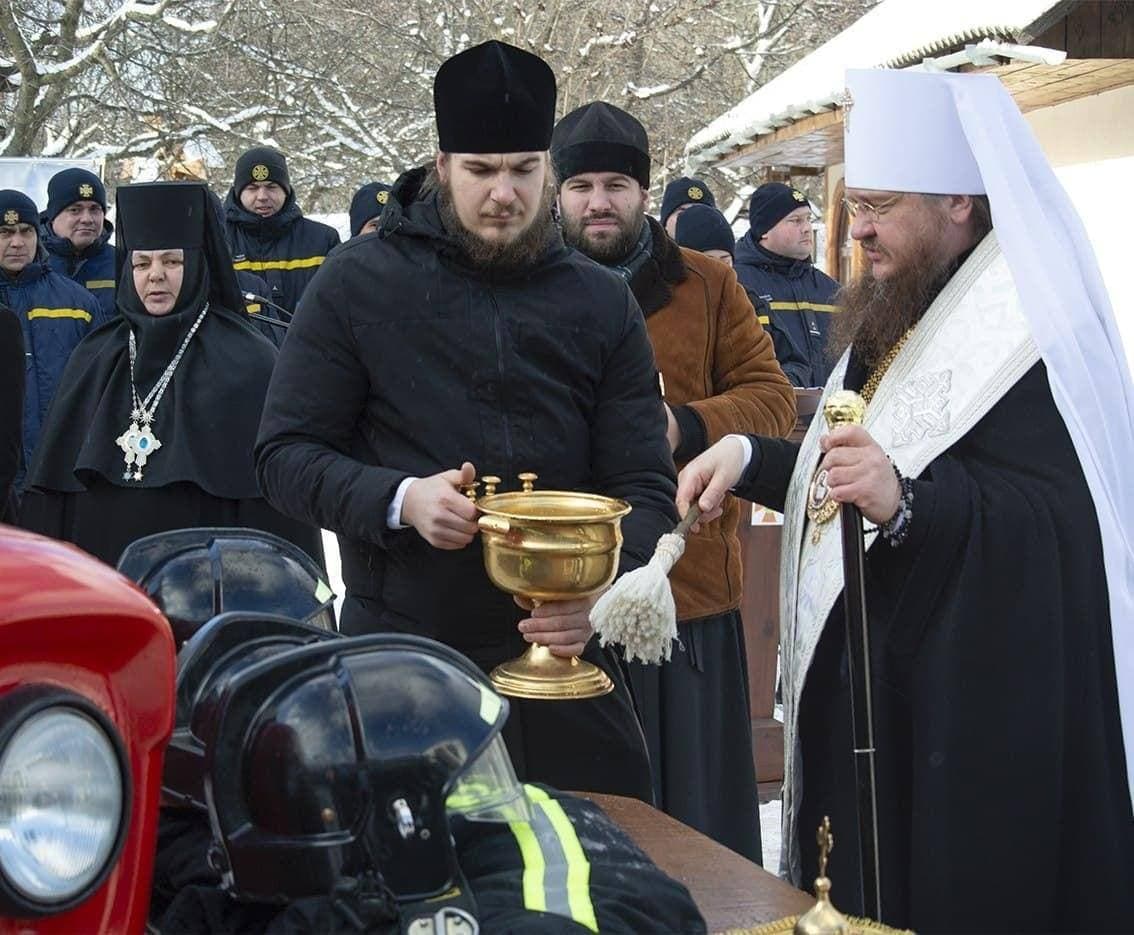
684 191
494 98
702 227
599 137
368 202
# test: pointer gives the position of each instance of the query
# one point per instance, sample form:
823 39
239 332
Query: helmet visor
488 789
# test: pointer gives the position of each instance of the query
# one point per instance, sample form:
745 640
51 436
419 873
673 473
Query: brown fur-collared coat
721 376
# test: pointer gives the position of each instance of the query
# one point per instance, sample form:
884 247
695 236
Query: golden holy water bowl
550 545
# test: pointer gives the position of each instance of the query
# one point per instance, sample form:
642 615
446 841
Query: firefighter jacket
795 302
93 268
55 314
285 250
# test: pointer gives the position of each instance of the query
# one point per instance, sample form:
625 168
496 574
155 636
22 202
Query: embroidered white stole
970 348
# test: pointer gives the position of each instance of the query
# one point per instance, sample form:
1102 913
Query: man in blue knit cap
76 234
680 195
268 233
793 299
366 207
704 229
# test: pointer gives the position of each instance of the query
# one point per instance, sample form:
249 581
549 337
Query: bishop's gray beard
513 256
875 313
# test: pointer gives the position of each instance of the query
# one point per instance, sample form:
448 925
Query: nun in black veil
153 424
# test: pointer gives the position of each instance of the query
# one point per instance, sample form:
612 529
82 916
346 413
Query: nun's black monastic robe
80 487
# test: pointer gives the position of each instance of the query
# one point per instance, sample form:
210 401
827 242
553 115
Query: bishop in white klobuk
999 570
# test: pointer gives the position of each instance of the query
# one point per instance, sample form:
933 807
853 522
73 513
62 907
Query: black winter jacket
795 302
286 249
402 362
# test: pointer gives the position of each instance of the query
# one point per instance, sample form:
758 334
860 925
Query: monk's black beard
514 256
607 253
874 314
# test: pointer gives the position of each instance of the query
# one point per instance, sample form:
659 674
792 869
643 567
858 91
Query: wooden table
730 891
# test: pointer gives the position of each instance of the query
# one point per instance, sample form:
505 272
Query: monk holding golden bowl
464 337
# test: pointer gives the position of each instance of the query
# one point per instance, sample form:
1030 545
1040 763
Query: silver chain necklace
138 442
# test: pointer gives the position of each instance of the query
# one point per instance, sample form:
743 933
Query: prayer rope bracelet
897 527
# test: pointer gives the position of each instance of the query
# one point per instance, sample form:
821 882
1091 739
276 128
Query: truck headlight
62 801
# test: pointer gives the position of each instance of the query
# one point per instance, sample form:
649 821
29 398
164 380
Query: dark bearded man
721 376
999 577
465 336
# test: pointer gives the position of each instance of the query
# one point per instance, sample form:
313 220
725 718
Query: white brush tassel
638 611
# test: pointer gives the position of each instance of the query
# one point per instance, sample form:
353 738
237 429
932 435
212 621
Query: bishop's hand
709 477
859 472
436 508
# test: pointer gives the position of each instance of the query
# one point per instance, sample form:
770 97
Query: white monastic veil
1055 273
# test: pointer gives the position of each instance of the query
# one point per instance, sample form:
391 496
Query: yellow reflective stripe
253 308
764 319
533 865
578 867
100 283
801 307
261 265
80 313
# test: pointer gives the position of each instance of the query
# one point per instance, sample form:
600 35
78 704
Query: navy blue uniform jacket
93 268
55 314
285 250
795 302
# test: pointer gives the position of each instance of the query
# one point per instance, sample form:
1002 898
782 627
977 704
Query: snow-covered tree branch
344 87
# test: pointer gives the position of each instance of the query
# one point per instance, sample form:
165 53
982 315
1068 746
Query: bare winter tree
344 86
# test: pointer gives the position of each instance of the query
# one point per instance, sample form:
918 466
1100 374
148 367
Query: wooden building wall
1093 29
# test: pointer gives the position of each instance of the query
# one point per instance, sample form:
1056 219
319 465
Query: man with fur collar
719 372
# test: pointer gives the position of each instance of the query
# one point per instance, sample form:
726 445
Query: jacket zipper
500 372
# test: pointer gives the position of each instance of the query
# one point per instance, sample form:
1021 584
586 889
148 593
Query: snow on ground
770 834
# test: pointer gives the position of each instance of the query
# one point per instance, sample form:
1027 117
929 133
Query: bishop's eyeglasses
869 212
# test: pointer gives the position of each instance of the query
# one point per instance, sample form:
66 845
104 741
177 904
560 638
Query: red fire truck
86 709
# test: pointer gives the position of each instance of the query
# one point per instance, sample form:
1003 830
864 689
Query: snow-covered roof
894 34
